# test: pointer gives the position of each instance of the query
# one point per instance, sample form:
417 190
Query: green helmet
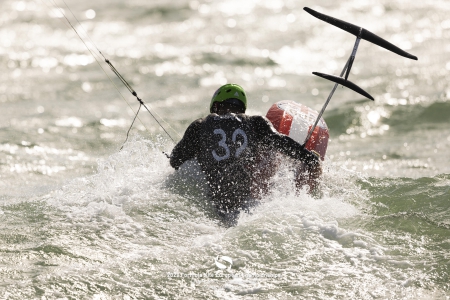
229 91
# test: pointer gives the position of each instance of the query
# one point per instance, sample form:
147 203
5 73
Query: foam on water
137 224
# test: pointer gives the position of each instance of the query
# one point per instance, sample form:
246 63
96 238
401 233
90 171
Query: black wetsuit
226 147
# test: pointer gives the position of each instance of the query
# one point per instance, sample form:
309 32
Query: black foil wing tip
361 32
346 83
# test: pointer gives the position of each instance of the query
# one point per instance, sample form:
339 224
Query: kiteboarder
228 145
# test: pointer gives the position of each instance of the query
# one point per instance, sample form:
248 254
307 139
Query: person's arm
285 144
310 169
187 148
308 174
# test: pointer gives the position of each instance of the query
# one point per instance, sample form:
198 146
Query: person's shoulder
195 125
198 121
259 119
262 124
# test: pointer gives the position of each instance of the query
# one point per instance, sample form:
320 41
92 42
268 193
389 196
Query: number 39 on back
223 144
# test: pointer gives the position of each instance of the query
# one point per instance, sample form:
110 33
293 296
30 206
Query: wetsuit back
226 147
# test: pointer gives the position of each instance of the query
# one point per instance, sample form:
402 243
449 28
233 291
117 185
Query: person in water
228 145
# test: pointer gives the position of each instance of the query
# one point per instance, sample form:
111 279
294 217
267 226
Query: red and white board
295 120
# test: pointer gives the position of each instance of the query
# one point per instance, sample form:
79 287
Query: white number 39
223 144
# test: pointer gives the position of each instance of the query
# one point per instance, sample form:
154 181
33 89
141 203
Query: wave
425 198
139 217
